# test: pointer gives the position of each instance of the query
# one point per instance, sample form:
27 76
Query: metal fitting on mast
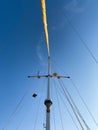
48 103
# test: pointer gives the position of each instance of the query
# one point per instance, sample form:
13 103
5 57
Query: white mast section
48 92
48 101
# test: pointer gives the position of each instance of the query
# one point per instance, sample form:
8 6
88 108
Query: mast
48 101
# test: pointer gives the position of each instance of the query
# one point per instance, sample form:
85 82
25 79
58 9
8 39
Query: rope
81 39
44 124
15 110
20 122
59 110
37 111
67 109
53 109
72 107
54 118
76 107
84 102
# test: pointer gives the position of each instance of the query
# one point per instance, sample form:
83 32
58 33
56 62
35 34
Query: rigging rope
43 5
37 112
67 108
76 107
54 118
59 109
78 111
84 102
81 39
53 109
73 109
15 110
74 85
20 122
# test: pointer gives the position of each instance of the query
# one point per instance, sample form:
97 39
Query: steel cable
64 88
58 91
81 39
72 107
15 110
59 110
53 109
37 112
84 102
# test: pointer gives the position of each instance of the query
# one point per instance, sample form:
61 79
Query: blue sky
23 52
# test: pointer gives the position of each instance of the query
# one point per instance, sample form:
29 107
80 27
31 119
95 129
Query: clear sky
23 52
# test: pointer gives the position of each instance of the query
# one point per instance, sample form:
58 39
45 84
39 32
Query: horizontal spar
54 75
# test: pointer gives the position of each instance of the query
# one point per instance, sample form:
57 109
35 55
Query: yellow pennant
45 24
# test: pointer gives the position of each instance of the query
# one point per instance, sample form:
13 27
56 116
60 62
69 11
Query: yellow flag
45 24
